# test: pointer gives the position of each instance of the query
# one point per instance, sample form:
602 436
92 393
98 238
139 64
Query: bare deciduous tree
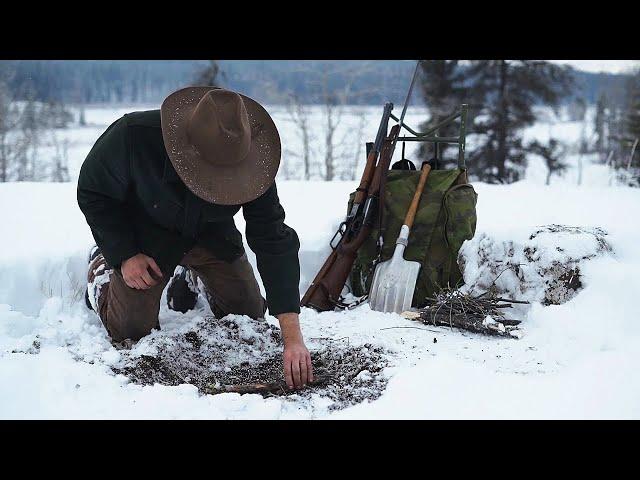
332 90
23 123
358 143
60 161
10 148
299 114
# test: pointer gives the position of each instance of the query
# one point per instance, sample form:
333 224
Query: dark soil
238 352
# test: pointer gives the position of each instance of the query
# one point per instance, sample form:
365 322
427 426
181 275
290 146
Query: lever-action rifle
325 290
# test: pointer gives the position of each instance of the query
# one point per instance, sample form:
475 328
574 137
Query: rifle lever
340 232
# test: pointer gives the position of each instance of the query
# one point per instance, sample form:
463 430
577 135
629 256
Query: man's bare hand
137 272
298 371
297 365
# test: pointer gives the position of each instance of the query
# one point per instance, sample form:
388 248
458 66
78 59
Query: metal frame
431 135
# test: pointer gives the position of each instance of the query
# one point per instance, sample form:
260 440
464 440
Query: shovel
394 281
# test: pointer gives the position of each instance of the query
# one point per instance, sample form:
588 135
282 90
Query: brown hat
223 145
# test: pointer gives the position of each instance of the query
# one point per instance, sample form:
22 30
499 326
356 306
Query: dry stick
467 312
509 267
416 328
471 325
280 387
509 300
464 310
509 322
328 339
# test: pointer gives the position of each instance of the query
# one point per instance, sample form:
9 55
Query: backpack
446 217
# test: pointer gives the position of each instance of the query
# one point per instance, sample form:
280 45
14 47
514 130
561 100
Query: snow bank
575 360
543 265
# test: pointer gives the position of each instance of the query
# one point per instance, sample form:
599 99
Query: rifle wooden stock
313 298
365 181
325 290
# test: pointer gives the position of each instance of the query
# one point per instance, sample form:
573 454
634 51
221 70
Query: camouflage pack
446 218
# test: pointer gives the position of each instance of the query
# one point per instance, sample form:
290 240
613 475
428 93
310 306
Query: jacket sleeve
103 183
276 247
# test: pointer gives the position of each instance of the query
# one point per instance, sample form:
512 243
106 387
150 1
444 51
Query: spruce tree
510 89
577 109
633 109
552 154
600 123
443 88
210 75
632 124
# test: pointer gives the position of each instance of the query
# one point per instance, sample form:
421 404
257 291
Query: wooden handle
365 180
413 208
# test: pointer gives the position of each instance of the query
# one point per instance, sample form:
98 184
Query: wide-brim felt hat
223 145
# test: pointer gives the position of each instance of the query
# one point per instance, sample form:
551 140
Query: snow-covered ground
575 360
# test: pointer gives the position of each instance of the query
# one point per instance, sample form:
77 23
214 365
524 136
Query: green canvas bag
446 217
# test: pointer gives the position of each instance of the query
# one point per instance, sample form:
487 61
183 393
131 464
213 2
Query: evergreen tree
600 122
577 109
633 109
510 89
442 83
632 131
552 154
210 74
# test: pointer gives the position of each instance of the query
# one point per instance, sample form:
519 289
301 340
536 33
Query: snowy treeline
504 98
326 140
31 146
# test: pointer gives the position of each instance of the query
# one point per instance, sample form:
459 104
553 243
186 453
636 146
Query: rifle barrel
372 159
326 287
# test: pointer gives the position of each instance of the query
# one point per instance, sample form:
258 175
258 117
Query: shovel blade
393 285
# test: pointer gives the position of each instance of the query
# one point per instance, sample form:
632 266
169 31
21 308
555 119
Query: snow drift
576 360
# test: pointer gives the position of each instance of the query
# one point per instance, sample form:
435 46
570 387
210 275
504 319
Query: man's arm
103 183
276 247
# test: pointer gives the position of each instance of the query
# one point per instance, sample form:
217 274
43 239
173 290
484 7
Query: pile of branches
483 313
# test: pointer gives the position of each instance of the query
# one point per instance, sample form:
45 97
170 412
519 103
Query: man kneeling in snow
160 188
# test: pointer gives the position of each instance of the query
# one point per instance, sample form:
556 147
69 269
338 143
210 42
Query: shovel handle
413 208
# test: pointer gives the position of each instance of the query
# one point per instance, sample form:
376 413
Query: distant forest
268 81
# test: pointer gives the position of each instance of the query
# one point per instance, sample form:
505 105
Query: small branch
509 300
278 387
453 308
416 328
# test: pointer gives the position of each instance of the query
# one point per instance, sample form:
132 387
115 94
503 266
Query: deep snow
575 360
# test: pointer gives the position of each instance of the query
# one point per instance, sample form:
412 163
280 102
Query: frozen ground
576 360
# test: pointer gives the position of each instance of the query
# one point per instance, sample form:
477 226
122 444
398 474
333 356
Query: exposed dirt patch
238 351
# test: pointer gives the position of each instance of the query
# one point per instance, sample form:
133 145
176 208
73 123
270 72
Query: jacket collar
169 174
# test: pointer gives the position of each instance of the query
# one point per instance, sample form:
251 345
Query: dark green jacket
135 202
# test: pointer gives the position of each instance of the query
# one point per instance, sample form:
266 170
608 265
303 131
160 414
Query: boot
182 291
94 253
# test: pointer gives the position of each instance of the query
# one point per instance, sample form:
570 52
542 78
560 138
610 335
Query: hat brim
224 185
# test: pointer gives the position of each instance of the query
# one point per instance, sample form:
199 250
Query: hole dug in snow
238 354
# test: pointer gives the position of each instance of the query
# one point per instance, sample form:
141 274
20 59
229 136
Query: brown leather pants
130 313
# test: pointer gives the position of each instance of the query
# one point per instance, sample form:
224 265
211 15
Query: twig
327 339
510 322
416 328
509 300
453 308
278 387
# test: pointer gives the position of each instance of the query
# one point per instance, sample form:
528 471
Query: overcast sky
612 66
